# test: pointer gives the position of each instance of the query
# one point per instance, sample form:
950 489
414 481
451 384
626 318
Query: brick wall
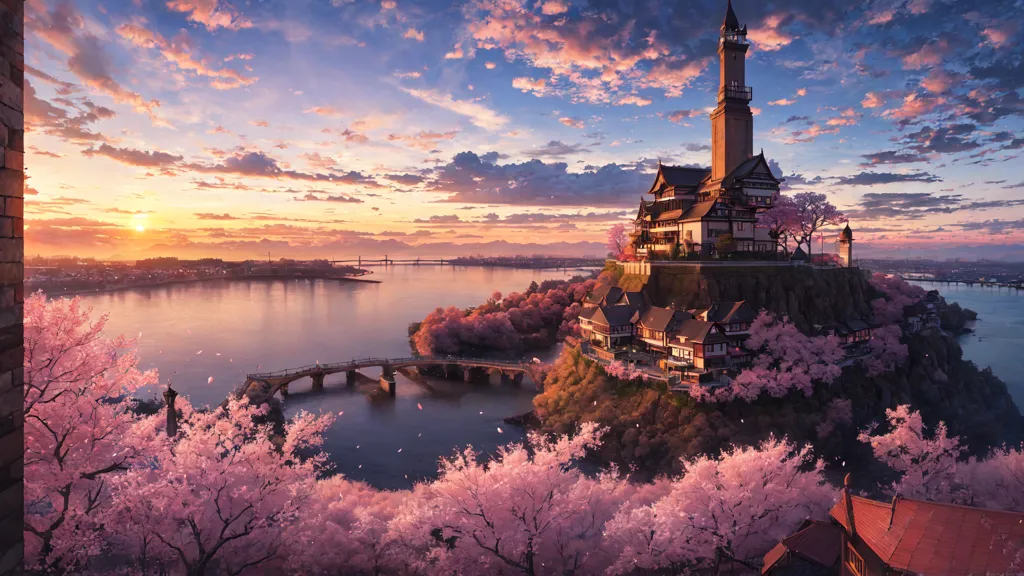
12 250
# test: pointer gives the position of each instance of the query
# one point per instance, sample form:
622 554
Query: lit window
854 561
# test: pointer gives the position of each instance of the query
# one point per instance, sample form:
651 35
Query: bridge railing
357 363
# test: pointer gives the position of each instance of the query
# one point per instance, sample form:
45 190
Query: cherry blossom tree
813 212
785 360
344 526
781 221
223 498
886 352
738 505
897 294
518 514
931 465
517 321
622 371
80 431
618 241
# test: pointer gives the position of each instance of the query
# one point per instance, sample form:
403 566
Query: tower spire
731 22
732 123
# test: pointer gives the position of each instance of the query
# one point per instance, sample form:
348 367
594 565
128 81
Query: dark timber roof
661 319
699 331
683 176
728 312
614 315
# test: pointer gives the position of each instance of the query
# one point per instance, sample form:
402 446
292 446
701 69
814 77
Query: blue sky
332 127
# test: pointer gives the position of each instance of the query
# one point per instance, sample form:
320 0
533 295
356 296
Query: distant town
957 270
72 275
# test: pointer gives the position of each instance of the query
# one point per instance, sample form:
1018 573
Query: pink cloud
873 100
178 52
768 36
929 55
914 105
1001 34
210 14
64 29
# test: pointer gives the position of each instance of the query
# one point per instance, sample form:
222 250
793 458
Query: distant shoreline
83 291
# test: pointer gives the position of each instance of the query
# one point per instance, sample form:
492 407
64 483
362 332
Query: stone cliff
651 429
808 296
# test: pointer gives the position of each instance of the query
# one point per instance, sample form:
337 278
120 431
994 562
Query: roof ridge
943 504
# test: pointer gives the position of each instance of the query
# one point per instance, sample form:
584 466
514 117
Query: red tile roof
820 542
933 539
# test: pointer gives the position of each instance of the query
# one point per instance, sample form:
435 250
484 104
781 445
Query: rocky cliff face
652 429
808 296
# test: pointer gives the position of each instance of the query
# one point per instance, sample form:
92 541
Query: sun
140 228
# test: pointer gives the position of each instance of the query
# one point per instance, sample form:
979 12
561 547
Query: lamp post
172 415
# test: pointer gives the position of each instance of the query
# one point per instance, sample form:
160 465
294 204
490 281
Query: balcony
744 93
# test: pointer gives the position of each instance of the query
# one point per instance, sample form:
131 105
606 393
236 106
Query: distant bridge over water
360 262
274 382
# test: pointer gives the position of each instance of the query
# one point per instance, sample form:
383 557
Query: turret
846 247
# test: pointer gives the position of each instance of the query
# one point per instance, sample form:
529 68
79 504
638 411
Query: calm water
998 338
191 332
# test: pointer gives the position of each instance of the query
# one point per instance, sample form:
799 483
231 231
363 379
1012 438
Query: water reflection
226 329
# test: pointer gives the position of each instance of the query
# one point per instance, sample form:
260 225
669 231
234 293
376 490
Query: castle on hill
694 207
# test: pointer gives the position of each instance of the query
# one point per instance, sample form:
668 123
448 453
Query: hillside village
703 346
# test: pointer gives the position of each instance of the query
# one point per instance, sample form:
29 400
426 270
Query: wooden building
921 538
694 207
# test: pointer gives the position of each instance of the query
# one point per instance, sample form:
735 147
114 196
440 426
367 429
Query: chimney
849 505
172 415
892 509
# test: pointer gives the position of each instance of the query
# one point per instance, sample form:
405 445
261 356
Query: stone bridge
272 382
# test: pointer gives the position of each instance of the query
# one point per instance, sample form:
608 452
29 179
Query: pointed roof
799 254
817 542
728 312
678 177
847 234
746 168
731 21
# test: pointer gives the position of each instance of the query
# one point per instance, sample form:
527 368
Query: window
854 561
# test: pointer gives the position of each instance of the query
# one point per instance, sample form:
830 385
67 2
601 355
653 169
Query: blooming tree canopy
741 504
813 212
781 220
509 323
785 360
223 498
79 428
885 351
932 465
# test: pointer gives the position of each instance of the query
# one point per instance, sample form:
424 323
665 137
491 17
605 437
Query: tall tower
846 247
732 123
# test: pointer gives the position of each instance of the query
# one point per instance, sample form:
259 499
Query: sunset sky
330 128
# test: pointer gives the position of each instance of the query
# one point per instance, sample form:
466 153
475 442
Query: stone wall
12 250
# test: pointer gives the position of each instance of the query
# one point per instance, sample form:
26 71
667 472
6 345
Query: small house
923 538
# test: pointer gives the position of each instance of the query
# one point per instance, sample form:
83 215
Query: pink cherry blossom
79 429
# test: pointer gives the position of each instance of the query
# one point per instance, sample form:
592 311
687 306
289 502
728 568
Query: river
998 338
225 329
